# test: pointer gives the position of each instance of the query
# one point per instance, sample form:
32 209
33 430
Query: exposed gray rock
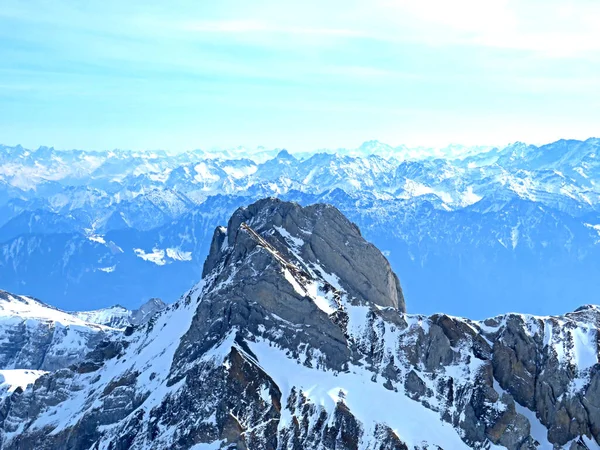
414 385
145 312
546 378
326 238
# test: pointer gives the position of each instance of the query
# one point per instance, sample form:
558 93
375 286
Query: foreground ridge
297 337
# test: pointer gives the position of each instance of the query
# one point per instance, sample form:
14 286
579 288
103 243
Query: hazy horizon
241 147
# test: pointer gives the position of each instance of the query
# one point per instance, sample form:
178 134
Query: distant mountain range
514 228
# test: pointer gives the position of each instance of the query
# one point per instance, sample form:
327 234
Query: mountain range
495 227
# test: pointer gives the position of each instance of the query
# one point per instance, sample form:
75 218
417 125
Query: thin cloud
551 28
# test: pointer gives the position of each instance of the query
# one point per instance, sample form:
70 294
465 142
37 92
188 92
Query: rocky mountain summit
297 337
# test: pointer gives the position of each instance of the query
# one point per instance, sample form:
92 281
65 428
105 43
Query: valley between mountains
297 336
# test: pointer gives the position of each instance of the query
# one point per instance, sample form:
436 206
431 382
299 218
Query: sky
181 75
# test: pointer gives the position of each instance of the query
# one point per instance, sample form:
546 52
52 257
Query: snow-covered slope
297 338
120 317
36 336
13 379
115 316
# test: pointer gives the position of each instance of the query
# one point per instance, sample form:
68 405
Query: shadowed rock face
296 338
324 237
146 311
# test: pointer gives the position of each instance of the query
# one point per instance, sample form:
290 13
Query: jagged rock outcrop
320 235
551 366
297 338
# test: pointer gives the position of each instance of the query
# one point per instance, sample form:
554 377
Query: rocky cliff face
317 238
36 336
297 338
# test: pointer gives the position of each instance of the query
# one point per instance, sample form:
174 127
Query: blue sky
301 75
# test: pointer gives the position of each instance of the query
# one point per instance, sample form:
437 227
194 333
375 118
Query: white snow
264 394
14 378
203 173
538 431
523 187
22 308
297 287
580 171
157 256
313 289
514 236
160 177
106 315
324 301
415 189
585 352
363 397
357 319
150 353
292 240
593 227
469 197
97 238
239 172
210 446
